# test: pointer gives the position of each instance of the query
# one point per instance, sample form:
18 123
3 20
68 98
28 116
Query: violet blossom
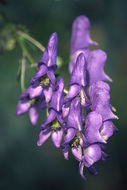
40 90
84 115
54 124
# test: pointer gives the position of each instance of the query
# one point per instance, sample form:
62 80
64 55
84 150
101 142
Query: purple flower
99 93
54 124
75 55
80 40
74 119
78 81
92 154
81 34
97 131
41 84
44 79
26 104
95 66
73 131
88 93
47 64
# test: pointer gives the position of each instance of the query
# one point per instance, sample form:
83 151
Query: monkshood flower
99 93
78 81
97 131
41 84
47 64
84 116
26 104
44 79
91 155
80 40
74 136
54 124
95 67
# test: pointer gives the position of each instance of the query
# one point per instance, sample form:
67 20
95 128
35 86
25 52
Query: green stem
24 50
33 65
23 66
32 40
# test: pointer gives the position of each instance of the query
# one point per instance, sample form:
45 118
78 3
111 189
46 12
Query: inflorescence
79 119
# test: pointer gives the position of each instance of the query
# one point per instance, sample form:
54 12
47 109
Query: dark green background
25 166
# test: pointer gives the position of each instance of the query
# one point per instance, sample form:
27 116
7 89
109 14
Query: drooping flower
88 93
78 81
81 34
95 66
99 93
45 78
92 154
26 104
54 124
73 130
41 86
97 131
47 64
80 40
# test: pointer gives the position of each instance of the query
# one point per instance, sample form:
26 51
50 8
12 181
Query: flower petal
77 152
81 167
35 91
48 93
100 100
42 70
50 53
92 125
93 169
70 135
75 115
73 91
58 96
65 110
33 114
52 115
92 154
74 57
65 149
95 66
43 136
107 130
81 34
57 138
22 107
51 76
78 75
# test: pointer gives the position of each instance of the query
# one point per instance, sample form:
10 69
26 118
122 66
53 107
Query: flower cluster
79 119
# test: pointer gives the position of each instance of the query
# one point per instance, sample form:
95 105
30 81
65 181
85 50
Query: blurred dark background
25 166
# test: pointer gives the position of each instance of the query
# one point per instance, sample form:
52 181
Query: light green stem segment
23 65
32 40
25 51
